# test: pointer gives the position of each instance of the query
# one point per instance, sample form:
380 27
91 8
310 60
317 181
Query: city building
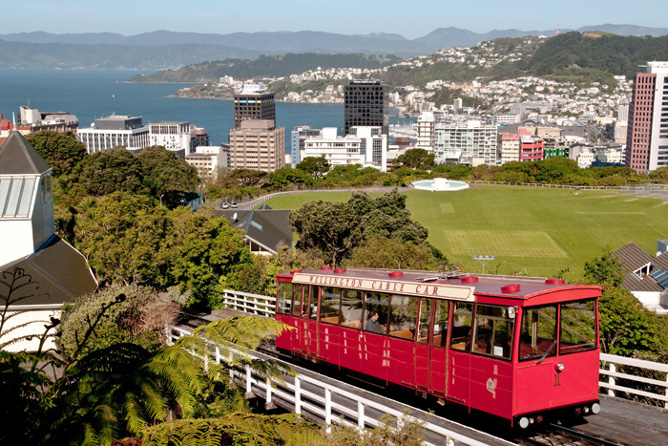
647 135
114 131
198 137
510 147
253 102
40 272
257 144
425 131
32 120
207 160
531 148
366 146
173 136
297 138
366 103
471 143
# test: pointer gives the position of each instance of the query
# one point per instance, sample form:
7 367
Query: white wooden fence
331 403
264 306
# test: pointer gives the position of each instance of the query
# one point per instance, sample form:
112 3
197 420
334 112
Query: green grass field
537 231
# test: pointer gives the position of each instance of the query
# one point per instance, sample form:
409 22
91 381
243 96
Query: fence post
298 396
328 407
611 379
360 414
665 404
269 405
249 384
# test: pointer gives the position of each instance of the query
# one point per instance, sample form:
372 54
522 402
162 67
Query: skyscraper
254 102
647 137
366 103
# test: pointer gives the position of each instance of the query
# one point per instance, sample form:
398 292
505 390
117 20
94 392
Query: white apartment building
510 147
207 160
114 131
297 138
425 129
474 140
173 136
364 145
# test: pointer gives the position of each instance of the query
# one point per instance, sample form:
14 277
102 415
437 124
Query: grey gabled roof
634 257
267 227
19 157
56 274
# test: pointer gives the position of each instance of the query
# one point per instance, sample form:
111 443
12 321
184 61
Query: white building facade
114 131
365 145
473 142
207 160
173 136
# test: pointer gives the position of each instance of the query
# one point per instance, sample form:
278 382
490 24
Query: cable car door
459 358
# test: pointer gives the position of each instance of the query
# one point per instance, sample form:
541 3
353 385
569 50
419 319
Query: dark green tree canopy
335 229
163 172
113 170
416 159
316 166
61 150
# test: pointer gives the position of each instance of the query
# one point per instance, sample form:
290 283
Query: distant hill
269 66
169 50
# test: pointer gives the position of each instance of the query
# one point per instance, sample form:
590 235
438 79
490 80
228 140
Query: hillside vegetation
266 66
576 57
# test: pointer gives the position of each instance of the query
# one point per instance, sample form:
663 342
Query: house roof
19 157
267 227
56 274
633 258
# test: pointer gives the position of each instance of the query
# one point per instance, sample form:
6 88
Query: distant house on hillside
39 272
646 276
265 229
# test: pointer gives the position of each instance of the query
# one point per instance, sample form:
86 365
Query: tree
286 176
126 239
605 270
316 166
163 172
417 159
62 151
206 250
394 254
113 170
139 319
326 227
334 229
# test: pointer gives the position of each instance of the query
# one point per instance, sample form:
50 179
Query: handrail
264 305
330 411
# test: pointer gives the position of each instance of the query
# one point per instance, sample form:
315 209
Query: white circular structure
440 185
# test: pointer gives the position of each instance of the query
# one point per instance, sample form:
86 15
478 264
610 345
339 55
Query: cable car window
284 298
351 309
330 302
376 308
403 316
538 337
425 318
578 327
297 300
461 326
313 303
494 330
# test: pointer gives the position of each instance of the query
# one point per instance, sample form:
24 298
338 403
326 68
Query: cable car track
557 435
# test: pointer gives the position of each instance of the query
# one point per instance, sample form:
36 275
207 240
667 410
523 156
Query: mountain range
167 50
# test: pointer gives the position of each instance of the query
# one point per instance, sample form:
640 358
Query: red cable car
515 347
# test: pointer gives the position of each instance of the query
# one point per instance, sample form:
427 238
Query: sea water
91 94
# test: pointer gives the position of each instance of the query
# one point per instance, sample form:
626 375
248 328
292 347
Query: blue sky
409 18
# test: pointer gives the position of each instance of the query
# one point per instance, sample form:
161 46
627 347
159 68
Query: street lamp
483 260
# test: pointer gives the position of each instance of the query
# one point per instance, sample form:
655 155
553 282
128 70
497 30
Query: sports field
537 231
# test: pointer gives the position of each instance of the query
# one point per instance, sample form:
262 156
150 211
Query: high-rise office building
254 102
257 144
647 136
366 104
